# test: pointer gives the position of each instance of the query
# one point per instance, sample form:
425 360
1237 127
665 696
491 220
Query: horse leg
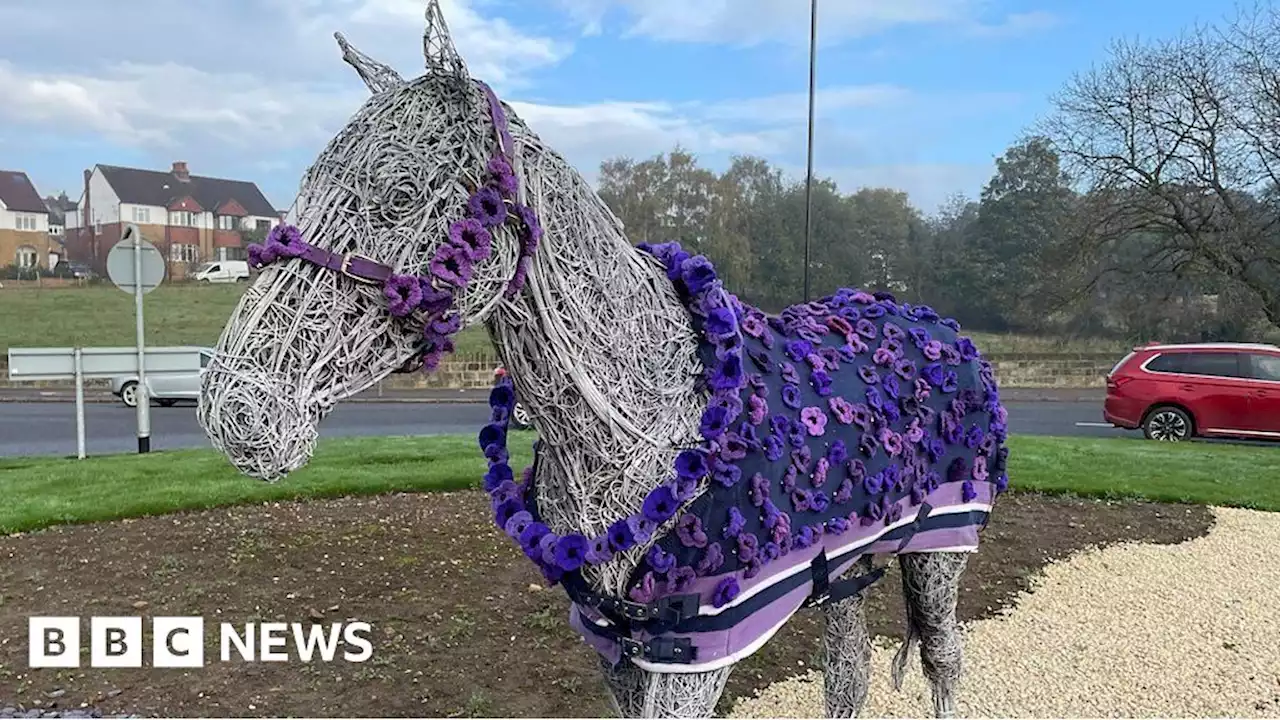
639 693
848 657
931 585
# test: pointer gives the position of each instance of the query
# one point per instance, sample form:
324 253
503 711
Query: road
50 428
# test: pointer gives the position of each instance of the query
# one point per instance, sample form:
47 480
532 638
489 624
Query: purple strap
499 117
356 267
359 267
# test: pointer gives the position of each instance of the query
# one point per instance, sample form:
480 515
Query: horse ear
437 47
377 76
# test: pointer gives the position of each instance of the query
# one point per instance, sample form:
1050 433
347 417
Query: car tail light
1115 383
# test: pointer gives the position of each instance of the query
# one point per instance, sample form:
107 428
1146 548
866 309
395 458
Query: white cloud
260 88
750 22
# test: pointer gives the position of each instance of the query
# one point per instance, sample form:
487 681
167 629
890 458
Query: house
189 218
24 223
60 207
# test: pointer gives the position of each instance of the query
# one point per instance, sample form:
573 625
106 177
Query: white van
222 271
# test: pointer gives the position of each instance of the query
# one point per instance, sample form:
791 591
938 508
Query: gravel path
1189 630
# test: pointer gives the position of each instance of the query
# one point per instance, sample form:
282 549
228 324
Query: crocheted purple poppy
517 524
714 421
867 444
844 493
773 448
531 539
470 235
645 591
801 457
620 536
286 241
932 350
735 523
821 382
732 447
711 560
748 545
697 273
753 326
820 471
789 374
950 382
725 592
691 464
791 396
815 421
980 472
869 375
720 324
660 560
728 375
883 356
757 408
689 530
486 205
842 409
759 489
681 579
503 176
452 265
891 386
660 504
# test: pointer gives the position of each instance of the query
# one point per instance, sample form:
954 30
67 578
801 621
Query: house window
226 222
25 221
232 253
142 215
264 225
185 218
182 252
27 257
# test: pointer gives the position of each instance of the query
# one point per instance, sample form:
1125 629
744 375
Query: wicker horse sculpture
703 471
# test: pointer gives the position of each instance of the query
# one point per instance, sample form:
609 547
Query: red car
1177 392
519 414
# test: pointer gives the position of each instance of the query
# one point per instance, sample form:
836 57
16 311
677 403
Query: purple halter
491 206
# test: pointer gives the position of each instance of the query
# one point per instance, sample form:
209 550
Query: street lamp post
808 181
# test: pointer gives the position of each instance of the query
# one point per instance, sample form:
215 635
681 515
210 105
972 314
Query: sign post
136 267
79 361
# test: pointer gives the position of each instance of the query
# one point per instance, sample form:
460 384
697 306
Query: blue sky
921 95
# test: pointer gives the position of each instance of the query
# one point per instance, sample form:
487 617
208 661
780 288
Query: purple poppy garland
470 241
556 555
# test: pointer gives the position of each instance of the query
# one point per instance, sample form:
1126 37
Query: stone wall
1046 370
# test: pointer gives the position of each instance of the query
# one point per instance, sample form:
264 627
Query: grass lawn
101 315
39 492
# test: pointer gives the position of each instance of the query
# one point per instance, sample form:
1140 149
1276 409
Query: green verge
100 315
40 492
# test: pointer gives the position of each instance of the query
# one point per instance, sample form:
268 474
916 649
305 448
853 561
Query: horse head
408 227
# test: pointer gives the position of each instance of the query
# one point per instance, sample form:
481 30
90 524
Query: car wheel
520 417
129 394
1167 424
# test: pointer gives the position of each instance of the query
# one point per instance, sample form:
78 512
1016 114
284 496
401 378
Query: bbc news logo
179 642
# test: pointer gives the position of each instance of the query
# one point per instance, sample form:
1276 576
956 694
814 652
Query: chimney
86 228
180 171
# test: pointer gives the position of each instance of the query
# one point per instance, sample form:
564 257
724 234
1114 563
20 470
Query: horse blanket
836 430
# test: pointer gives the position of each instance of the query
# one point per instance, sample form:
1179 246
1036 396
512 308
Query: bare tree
1179 141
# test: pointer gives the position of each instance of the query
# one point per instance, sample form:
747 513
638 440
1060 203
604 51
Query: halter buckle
345 268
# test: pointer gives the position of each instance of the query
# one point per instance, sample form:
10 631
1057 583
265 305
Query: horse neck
604 357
